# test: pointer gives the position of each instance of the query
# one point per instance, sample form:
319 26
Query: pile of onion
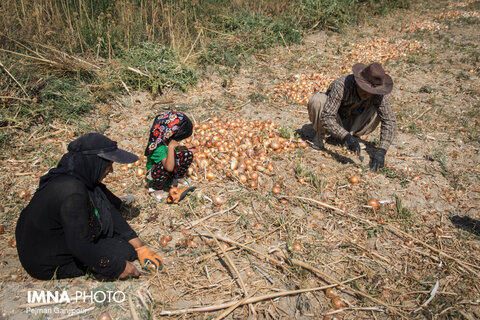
237 149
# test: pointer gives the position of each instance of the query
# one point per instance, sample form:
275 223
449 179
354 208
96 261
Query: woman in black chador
73 223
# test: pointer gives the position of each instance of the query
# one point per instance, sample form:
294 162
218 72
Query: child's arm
169 161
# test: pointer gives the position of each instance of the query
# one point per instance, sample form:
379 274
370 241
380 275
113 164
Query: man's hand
352 143
378 160
148 258
129 272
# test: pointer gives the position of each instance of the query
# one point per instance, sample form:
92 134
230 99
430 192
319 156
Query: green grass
157 67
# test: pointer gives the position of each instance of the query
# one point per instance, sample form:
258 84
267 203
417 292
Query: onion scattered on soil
373 203
24 194
296 246
104 316
218 200
276 190
338 303
191 243
330 293
354 179
12 243
163 241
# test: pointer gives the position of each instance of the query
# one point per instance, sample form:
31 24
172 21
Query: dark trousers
161 178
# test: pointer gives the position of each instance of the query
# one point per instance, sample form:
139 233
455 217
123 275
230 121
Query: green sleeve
158 155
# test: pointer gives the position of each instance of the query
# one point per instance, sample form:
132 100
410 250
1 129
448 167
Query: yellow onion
210 176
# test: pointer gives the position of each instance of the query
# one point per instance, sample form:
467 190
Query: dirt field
415 257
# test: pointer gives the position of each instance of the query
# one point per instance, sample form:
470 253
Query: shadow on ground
467 224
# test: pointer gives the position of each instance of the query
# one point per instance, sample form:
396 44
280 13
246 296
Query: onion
169 237
137 163
210 176
260 168
329 293
253 184
224 245
275 145
218 200
373 203
354 179
296 246
338 303
276 189
234 164
24 194
301 180
104 316
140 172
254 175
270 166
12 243
191 243
409 243
163 241
242 178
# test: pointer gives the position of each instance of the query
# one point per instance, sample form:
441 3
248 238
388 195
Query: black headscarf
83 163
170 125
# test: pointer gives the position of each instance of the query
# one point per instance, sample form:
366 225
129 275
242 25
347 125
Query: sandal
184 184
158 195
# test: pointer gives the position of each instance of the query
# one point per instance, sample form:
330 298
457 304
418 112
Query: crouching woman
73 224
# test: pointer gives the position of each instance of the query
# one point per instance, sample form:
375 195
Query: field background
71 67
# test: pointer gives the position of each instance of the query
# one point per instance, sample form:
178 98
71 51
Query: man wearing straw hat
353 106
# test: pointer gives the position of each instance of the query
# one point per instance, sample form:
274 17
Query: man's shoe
317 143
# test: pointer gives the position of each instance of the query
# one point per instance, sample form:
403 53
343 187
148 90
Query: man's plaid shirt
344 100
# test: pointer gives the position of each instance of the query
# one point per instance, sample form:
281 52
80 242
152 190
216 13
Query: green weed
402 212
156 68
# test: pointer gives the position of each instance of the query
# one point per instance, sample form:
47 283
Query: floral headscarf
170 125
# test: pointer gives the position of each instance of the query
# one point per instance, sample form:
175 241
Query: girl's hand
193 148
173 144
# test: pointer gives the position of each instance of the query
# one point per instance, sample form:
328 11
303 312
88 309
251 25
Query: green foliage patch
157 67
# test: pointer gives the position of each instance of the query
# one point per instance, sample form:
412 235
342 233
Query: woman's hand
130 271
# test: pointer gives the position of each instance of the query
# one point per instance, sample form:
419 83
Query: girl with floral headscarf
167 163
